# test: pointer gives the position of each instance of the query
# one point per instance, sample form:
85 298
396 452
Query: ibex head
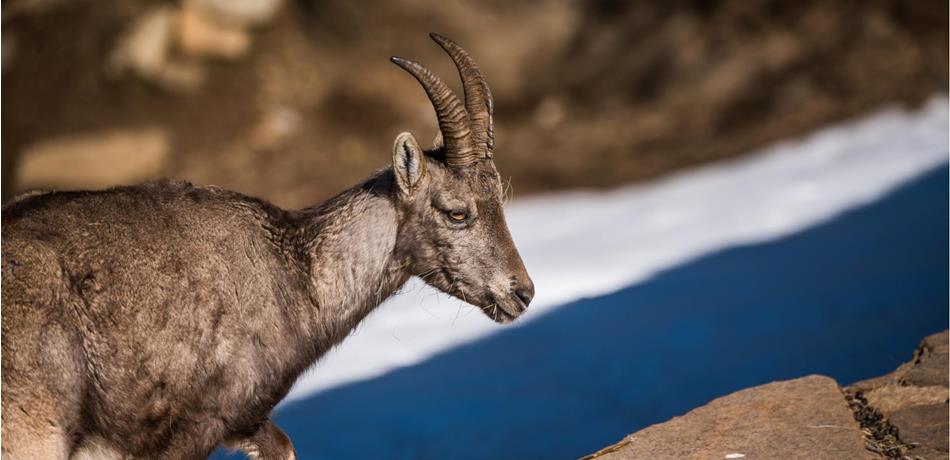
450 198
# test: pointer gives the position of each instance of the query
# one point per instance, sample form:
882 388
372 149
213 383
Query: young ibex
161 320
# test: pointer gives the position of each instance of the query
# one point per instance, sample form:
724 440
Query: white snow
584 243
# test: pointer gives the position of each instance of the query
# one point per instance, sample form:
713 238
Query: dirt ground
587 94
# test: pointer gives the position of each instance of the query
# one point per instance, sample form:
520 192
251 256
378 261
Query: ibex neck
351 242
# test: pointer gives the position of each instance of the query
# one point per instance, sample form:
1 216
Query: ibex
165 319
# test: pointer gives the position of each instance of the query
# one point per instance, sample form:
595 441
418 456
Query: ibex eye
458 216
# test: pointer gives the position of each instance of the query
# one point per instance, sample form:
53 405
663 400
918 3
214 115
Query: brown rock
924 428
144 47
892 378
146 50
927 367
203 34
891 398
240 12
805 418
938 343
930 362
94 160
912 399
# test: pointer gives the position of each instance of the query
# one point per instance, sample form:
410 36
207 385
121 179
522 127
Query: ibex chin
163 320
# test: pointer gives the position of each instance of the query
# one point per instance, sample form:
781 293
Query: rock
903 414
893 378
144 47
219 28
927 367
275 127
805 418
891 398
550 113
145 50
204 34
94 160
164 44
240 12
913 399
930 362
924 429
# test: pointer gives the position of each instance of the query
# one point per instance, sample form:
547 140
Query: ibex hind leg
32 434
40 401
268 443
95 448
43 383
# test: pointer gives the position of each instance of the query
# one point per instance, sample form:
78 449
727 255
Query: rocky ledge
900 415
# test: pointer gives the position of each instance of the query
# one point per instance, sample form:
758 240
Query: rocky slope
903 414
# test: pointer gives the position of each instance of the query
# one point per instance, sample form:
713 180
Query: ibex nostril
525 294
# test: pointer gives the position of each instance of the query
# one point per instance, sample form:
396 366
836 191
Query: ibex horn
478 99
453 122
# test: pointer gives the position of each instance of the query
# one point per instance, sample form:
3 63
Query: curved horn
478 99
459 149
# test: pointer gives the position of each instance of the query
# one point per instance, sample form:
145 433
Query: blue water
850 299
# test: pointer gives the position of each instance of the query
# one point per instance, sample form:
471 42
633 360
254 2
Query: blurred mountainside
294 101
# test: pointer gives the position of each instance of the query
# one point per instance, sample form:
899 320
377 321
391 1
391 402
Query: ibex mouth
504 312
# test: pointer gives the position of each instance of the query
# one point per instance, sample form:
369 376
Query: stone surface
805 418
146 50
913 399
892 398
930 362
144 47
924 428
204 34
927 367
94 160
240 12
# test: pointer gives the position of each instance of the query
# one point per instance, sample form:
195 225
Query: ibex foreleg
268 443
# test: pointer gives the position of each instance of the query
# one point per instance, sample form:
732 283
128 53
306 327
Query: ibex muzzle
161 320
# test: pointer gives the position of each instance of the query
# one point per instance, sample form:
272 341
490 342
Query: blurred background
709 194
295 100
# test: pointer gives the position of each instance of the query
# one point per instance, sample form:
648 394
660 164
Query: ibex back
161 320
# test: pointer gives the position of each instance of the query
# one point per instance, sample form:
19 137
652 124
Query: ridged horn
478 99
453 122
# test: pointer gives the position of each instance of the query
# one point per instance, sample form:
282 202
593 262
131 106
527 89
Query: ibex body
161 320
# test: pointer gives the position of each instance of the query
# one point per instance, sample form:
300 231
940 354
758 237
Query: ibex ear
409 163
